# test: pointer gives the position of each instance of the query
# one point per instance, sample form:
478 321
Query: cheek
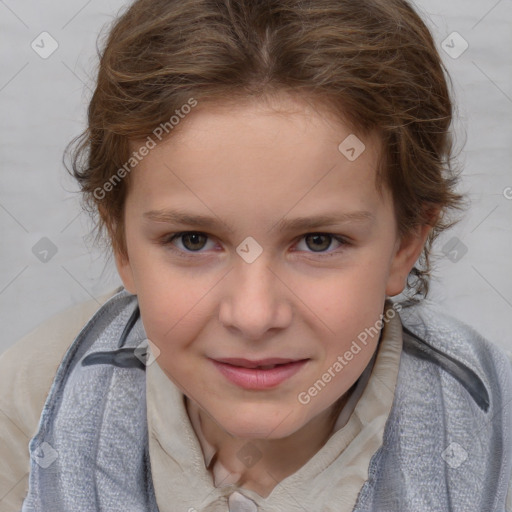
175 309
345 308
167 315
349 305
349 290
167 294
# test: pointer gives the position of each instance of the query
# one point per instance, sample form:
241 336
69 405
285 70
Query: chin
258 424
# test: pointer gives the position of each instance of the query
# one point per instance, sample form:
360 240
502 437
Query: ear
125 271
408 251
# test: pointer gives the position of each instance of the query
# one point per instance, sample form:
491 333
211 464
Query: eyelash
168 239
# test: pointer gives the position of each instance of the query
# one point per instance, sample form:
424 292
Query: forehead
293 118
259 155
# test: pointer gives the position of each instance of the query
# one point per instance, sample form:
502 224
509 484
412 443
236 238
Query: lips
264 364
261 374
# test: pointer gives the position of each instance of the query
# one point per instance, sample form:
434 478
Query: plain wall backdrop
47 266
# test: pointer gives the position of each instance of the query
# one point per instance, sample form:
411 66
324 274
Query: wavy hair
372 63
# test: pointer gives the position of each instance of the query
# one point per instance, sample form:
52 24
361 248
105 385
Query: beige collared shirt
180 457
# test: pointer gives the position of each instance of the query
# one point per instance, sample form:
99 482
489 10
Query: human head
368 69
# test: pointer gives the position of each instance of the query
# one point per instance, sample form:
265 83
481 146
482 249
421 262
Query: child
241 368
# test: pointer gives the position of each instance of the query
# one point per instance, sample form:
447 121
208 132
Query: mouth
264 364
260 374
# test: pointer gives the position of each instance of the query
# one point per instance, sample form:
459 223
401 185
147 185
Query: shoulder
482 369
459 343
28 367
27 370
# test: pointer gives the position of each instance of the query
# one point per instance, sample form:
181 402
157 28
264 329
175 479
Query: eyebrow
284 225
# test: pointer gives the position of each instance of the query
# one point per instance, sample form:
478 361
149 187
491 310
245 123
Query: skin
250 165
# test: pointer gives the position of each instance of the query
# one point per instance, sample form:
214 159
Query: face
251 235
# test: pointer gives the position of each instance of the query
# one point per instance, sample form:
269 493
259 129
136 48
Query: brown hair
372 63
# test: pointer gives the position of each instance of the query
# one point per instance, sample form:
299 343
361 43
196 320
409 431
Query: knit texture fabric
446 447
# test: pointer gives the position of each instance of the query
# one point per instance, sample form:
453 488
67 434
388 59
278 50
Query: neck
279 457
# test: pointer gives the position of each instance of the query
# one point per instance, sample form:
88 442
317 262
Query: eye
193 241
321 241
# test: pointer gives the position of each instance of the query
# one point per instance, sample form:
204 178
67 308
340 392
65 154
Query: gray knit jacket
447 442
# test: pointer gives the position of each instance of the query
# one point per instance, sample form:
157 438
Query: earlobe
124 270
408 252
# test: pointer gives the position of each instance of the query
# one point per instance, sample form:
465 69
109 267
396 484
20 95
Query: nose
255 300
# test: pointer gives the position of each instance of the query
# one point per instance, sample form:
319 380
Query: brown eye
186 242
193 241
318 242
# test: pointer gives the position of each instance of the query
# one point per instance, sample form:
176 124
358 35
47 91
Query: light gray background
43 104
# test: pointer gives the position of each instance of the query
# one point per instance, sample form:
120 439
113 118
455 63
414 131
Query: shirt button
239 503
